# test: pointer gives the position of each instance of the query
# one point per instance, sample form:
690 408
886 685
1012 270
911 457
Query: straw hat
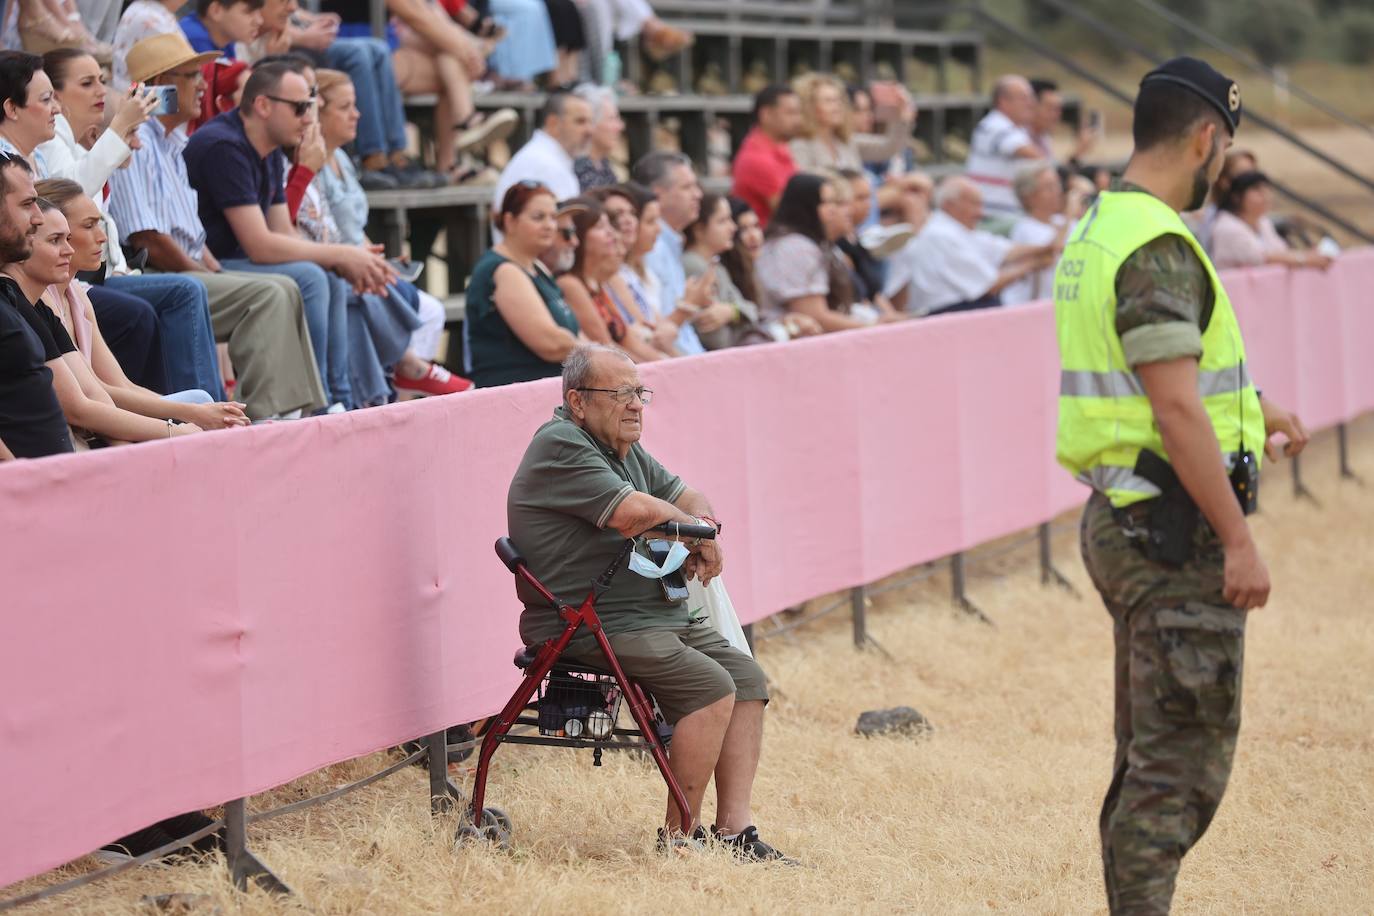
156 55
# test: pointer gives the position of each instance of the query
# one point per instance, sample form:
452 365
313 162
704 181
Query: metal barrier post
1343 449
242 863
1048 573
440 797
856 611
956 574
1299 488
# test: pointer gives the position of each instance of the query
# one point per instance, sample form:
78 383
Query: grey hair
578 368
652 169
1028 176
1005 84
950 189
602 99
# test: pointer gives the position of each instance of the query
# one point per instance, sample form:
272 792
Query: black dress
568 34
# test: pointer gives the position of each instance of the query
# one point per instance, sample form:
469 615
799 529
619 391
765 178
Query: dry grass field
995 812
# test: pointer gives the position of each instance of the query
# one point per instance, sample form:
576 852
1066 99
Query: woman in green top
518 327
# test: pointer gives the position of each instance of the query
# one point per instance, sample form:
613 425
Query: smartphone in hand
166 99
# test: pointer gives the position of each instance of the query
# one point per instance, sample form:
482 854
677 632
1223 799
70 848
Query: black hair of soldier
1167 113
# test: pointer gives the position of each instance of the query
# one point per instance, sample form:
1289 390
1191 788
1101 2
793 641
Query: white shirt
65 158
945 264
1038 286
542 159
992 161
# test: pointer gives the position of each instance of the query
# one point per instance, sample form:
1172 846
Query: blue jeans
326 315
367 61
528 49
189 358
129 326
194 396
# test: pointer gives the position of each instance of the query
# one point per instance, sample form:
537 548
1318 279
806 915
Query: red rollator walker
576 705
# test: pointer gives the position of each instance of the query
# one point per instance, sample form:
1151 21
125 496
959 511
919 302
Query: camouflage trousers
1179 651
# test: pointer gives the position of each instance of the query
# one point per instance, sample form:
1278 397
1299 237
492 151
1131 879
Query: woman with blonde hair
828 140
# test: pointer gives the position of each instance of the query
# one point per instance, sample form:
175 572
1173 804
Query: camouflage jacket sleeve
1164 300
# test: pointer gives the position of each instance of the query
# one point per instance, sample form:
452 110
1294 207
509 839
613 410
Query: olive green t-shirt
564 493
1164 299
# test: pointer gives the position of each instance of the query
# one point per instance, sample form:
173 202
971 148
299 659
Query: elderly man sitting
951 265
585 485
1050 214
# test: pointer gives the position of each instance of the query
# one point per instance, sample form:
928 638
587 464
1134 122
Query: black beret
1201 78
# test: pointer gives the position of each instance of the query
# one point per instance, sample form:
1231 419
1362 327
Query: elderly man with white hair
1002 142
1047 221
953 266
594 170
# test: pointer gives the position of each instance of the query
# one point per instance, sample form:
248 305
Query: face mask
642 565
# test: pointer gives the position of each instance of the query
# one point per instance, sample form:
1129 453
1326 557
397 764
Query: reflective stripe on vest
1080 384
1105 418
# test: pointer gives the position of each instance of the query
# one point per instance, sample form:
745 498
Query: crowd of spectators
156 255
218 243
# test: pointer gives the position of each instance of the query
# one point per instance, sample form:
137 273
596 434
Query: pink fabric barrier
197 620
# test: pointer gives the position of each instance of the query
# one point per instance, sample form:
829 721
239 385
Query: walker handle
679 530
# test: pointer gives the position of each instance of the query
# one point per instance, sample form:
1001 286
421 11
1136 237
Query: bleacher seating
943 69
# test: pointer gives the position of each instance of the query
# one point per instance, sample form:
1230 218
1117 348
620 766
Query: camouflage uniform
1179 643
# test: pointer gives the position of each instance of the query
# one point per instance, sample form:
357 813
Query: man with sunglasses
236 165
260 316
585 484
563 252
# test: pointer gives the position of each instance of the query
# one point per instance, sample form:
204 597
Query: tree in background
1275 31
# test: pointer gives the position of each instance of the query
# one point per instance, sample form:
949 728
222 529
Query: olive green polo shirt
564 493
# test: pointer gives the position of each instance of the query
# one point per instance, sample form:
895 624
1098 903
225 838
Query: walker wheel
489 833
495 817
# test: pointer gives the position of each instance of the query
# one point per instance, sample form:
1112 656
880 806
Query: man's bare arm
638 512
1172 387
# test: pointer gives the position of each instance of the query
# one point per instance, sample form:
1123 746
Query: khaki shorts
686 668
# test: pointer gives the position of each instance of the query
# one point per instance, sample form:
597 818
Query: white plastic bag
714 604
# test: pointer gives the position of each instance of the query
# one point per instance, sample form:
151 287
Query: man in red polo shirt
764 162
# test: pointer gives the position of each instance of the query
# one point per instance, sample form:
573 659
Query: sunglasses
568 233
301 106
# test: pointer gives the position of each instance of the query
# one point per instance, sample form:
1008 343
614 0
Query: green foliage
1275 30
1356 30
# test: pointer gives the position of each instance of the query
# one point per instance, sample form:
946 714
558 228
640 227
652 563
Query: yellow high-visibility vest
1105 418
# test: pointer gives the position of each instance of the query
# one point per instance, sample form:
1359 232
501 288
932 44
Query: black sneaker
747 847
377 180
414 175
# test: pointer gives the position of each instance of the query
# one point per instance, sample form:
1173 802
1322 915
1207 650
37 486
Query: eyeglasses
625 395
301 106
568 233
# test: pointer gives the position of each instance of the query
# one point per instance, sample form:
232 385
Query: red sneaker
437 380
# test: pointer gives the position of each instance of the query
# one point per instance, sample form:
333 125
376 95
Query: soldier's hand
1278 421
1247 578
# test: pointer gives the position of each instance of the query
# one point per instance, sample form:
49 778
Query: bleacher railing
202 619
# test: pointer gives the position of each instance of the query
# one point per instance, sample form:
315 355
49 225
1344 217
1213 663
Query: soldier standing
1157 413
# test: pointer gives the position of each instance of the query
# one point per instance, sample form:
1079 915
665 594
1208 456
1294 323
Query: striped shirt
154 194
39 161
992 161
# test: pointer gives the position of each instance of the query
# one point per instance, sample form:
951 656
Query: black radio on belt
1245 481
